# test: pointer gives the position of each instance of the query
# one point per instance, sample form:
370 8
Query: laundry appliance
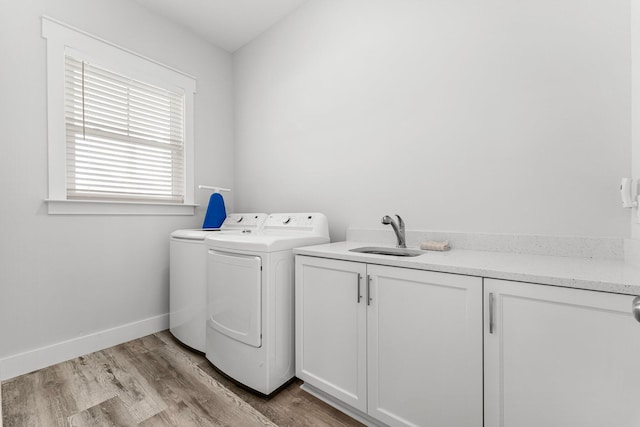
250 293
188 276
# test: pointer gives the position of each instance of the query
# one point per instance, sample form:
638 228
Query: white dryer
188 276
250 285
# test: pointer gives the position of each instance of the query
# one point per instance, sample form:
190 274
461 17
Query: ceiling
229 24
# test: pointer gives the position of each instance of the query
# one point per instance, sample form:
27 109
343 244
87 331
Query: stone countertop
603 275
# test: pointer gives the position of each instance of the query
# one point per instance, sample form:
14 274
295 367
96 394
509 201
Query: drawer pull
492 302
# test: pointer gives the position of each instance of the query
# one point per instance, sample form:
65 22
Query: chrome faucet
398 228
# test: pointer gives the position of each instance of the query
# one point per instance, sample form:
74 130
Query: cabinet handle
635 308
359 280
492 303
369 289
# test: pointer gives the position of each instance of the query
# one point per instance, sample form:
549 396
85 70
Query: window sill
87 207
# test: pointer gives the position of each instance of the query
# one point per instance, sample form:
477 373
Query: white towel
431 245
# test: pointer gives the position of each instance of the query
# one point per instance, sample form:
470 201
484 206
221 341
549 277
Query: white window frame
62 39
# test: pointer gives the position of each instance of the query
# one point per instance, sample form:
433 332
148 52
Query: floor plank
35 399
290 407
112 412
152 381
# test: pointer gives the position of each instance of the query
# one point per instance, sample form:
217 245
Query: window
120 137
124 138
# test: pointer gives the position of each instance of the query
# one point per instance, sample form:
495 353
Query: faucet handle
400 221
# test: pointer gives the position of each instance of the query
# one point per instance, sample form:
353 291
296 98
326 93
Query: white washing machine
250 285
188 276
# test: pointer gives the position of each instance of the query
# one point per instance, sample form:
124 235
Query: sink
381 250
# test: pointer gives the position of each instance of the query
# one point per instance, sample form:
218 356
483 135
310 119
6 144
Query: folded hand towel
431 245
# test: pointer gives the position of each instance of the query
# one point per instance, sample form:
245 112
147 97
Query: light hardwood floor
152 381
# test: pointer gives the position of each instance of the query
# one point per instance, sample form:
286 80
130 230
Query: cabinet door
559 357
424 348
331 328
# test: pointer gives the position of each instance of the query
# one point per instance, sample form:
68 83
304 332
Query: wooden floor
152 381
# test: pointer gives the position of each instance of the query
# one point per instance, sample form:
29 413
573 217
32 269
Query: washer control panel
249 221
307 222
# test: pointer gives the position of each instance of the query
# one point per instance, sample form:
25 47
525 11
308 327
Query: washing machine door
234 288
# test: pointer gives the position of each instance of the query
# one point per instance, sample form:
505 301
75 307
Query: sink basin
381 250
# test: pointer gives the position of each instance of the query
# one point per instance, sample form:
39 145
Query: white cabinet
403 346
559 357
331 328
424 348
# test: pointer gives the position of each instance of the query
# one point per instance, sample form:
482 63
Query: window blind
125 138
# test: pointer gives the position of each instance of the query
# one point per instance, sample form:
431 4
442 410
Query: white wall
635 122
63 277
493 116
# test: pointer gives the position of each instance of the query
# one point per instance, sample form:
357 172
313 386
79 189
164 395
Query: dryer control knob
286 220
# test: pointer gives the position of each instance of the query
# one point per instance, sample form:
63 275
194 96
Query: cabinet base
342 407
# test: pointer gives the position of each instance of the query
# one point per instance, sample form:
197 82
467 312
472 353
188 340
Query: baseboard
39 358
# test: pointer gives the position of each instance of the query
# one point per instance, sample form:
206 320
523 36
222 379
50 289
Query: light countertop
604 275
